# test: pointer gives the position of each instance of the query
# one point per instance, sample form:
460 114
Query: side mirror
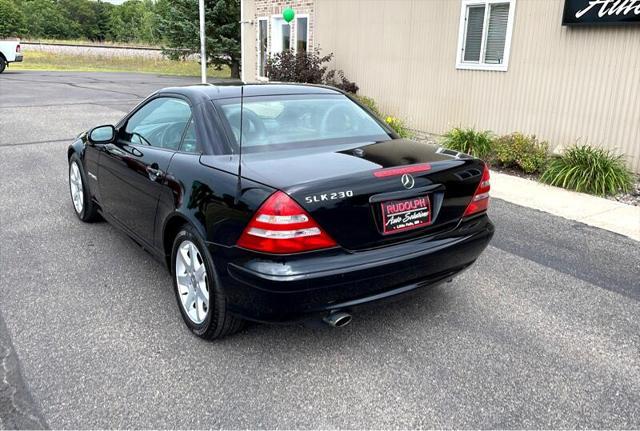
102 134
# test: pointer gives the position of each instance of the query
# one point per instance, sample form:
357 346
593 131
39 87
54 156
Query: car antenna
239 186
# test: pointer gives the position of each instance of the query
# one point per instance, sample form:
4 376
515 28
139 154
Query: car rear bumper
298 288
18 58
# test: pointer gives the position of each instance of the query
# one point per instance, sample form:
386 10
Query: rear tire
83 206
200 298
3 64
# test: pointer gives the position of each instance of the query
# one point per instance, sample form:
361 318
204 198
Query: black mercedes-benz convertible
278 203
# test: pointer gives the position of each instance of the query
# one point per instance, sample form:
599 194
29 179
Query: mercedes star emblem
407 181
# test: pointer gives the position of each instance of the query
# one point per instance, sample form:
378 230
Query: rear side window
292 121
190 141
159 123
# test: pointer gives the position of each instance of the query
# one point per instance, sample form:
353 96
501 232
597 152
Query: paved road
543 332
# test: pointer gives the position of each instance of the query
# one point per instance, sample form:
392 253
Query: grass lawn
38 60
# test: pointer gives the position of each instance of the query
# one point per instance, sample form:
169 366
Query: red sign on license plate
405 214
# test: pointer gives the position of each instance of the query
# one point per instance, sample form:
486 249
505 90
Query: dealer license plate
406 214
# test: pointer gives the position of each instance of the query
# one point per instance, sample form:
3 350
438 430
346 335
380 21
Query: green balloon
288 14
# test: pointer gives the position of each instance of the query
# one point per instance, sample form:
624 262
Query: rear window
298 121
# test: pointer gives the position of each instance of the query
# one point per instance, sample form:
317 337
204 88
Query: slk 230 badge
328 196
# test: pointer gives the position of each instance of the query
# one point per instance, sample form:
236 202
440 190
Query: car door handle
154 172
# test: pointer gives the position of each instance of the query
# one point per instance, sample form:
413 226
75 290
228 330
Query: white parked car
9 53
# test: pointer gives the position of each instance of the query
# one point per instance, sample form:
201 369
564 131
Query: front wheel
199 295
83 206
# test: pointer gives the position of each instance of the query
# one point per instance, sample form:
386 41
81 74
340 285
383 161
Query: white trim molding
276 33
462 29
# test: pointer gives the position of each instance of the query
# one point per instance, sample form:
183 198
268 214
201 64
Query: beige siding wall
563 84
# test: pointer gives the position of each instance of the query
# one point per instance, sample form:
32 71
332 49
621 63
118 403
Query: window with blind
485 32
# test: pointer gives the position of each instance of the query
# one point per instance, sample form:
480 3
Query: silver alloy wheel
191 278
75 182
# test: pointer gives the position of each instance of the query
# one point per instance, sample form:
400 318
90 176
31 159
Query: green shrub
470 141
394 122
587 169
336 78
520 151
287 66
369 103
399 127
308 67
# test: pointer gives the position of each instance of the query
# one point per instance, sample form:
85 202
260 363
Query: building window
302 33
280 35
286 37
262 46
485 34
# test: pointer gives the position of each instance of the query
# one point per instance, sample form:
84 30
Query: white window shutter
473 37
496 33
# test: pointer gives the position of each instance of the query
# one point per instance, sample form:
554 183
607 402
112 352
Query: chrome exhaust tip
337 319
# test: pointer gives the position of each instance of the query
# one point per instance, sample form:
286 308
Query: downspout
242 39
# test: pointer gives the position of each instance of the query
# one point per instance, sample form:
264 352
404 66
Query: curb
591 210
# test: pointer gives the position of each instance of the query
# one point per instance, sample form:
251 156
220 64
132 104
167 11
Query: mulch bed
631 198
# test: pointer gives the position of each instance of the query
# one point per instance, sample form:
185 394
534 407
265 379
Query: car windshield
299 121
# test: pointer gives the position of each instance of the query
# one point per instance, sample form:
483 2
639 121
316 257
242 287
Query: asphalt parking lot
543 332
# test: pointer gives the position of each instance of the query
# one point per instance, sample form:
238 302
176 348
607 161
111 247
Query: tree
134 20
125 21
12 20
82 15
149 21
46 19
181 31
103 12
162 11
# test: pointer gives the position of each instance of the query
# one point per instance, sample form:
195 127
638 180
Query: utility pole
203 44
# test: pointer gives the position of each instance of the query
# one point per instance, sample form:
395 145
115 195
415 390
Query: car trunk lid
374 194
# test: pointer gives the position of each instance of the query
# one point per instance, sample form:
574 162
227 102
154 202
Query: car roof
201 92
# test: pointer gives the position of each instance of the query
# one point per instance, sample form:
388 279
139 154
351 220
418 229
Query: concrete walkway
594 211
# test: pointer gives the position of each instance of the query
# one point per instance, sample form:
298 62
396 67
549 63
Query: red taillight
18 48
410 169
282 226
480 201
